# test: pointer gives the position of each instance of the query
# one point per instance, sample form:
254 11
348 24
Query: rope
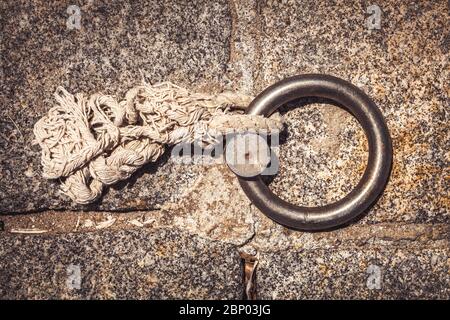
91 143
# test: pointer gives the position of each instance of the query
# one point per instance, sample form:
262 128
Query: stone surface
214 209
123 264
403 70
413 259
355 273
211 209
182 41
246 45
403 67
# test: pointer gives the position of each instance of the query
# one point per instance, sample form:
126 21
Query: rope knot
94 142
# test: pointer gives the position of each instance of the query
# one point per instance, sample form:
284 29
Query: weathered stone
182 41
403 67
355 273
123 264
214 208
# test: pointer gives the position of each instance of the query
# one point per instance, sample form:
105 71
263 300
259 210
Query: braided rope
94 142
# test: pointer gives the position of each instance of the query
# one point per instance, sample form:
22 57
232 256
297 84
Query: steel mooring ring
376 173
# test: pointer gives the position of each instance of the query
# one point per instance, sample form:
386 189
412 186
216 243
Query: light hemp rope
91 143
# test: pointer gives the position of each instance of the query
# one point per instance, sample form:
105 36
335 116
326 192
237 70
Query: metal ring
379 162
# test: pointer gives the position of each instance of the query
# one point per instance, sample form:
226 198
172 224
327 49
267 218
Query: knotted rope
90 143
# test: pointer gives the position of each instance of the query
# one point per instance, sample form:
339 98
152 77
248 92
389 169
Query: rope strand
94 142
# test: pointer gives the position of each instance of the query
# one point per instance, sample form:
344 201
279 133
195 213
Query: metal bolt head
247 154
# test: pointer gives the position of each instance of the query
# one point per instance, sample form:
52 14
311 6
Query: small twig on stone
28 231
137 223
17 127
106 224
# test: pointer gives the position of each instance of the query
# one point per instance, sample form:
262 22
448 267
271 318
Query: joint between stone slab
245 54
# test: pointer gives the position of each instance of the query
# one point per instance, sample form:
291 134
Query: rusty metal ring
376 173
